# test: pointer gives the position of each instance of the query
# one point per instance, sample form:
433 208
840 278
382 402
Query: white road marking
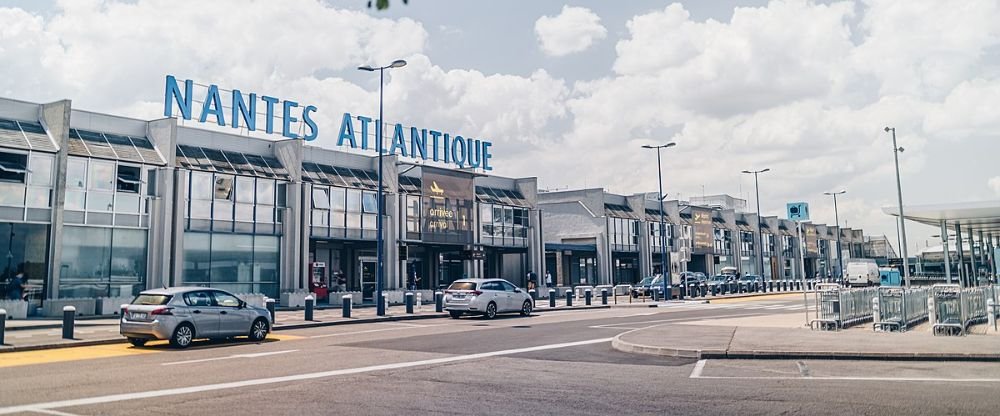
282 379
255 355
660 321
849 378
698 368
405 324
53 412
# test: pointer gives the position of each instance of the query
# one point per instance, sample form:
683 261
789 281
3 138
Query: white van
862 272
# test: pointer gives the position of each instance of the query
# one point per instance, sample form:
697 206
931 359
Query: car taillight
477 292
161 311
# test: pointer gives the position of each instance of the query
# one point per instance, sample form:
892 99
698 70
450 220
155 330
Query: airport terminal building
102 206
596 237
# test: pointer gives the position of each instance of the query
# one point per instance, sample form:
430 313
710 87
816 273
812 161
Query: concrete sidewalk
48 335
785 337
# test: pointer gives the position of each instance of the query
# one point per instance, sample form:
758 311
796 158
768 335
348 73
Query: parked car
697 278
183 314
641 288
487 297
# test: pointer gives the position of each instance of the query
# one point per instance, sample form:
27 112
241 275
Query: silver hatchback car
182 314
486 297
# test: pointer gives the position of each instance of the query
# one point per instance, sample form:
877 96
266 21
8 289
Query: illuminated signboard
812 238
704 234
448 207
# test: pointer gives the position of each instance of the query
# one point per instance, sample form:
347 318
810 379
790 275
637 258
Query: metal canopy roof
975 216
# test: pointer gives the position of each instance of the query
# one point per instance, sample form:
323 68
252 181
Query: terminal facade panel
103 206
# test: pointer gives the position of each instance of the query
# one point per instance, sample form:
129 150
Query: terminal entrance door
366 269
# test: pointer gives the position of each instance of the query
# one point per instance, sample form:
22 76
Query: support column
982 251
163 208
973 279
56 118
961 254
947 252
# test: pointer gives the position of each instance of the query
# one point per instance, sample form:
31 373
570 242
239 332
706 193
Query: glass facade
654 235
102 262
26 179
723 241
25 249
221 202
503 225
105 192
344 213
239 263
623 234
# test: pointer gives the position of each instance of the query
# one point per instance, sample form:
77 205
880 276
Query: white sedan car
486 297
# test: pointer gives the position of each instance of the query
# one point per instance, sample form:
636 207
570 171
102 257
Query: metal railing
838 308
899 309
956 309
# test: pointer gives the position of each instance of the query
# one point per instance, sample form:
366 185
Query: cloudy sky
568 91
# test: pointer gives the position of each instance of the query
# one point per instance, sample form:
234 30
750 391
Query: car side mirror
517 290
243 304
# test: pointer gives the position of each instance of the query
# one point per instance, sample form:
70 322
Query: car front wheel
258 331
491 311
526 308
183 335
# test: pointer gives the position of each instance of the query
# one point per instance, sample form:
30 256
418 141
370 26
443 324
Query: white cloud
572 30
994 184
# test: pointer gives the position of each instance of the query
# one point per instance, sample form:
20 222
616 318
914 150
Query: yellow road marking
13 359
776 296
283 337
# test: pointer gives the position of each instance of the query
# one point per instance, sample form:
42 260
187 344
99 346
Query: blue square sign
798 211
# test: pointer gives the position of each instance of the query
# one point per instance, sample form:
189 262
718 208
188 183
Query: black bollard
604 296
587 295
408 299
269 303
715 290
69 318
439 301
346 303
310 304
552 298
569 297
656 292
3 324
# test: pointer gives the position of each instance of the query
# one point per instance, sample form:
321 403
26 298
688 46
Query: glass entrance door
366 269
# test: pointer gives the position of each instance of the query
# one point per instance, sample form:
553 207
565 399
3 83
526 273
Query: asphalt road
554 363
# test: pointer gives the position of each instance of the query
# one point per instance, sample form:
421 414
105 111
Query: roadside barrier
838 308
69 319
604 296
552 298
898 309
439 301
268 303
408 301
3 324
957 309
346 303
310 303
569 298
587 296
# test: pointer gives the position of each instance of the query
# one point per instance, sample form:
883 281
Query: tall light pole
664 260
836 216
899 193
760 235
379 240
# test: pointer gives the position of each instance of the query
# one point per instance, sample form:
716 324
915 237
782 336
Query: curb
628 347
120 340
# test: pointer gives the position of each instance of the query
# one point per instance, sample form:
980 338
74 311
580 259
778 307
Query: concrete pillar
56 119
295 218
164 215
961 255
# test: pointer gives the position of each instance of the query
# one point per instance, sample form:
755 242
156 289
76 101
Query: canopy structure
975 224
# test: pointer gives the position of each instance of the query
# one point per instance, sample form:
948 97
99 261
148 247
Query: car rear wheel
526 308
491 310
183 335
258 331
455 314
138 342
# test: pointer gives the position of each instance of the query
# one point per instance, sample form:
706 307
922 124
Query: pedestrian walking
15 289
341 281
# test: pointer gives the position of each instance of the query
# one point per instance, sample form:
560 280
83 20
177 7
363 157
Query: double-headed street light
379 244
899 193
760 235
664 260
836 216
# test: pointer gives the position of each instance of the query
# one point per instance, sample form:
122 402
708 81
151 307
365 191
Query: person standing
15 290
532 277
548 279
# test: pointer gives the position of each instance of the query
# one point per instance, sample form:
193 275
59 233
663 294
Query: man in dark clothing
15 289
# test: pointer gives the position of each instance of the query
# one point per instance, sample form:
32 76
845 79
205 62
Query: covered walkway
975 224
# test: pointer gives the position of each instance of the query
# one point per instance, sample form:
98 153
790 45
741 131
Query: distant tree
383 4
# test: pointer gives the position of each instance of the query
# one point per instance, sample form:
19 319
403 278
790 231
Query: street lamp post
899 193
379 240
760 235
664 260
836 216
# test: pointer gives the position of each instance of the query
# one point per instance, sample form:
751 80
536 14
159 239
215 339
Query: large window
13 167
343 213
747 248
25 249
623 234
26 179
233 203
654 234
104 192
503 225
240 263
723 241
102 262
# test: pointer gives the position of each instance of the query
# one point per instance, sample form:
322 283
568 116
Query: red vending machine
317 282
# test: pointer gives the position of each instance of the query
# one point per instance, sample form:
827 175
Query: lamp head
399 63
888 128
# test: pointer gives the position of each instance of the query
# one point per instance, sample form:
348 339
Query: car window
491 286
462 286
199 298
226 300
144 299
507 286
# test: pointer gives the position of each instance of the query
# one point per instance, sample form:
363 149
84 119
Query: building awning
27 135
113 146
570 247
319 173
213 160
653 215
971 216
500 196
620 211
